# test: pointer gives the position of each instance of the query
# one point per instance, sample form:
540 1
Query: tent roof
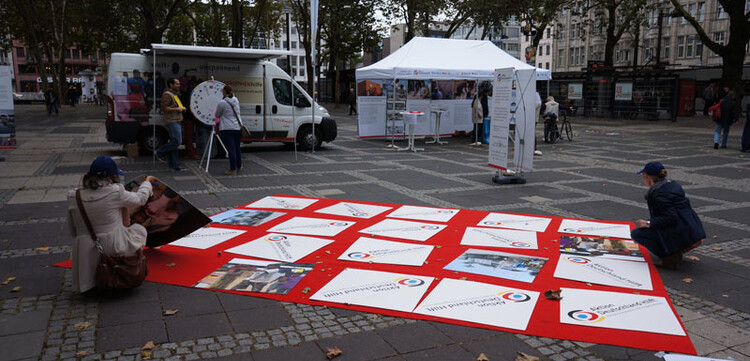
435 58
215 52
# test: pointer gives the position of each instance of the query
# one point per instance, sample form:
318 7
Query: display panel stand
438 113
207 155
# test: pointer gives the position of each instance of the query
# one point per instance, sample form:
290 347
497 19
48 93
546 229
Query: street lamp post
289 46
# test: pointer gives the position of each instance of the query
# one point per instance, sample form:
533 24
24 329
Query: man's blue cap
653 168
104 166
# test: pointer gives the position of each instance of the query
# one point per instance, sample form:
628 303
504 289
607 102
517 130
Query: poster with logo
594 228
391 291
280 247
312 226
601 247
524 118
7 112
604 271
502 90
478 302
282 203
513 221
424 213
618 311
371 107
495 237
207 237
357 210
415 231
575 91
624 91
371 250
256 276
498 264
245 217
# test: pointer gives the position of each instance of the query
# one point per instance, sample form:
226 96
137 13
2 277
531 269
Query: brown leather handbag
115 271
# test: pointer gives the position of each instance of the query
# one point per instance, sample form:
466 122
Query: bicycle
551 131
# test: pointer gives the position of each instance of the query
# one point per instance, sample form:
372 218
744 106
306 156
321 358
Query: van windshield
282 91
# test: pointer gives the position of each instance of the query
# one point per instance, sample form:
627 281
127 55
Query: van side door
280 124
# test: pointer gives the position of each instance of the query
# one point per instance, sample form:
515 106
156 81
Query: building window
21 52
540 52
561 57
701 11
691 11
76 53
719 37
549 33
548 49
546 65
689 48
539 65
561 31
698 47
680 46
720 13
665 44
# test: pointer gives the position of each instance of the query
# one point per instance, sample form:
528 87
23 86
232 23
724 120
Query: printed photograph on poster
401 89
245 217
167 216
615 310
496 237
256 276
370 88
424 213
442 90
207 237
482 303
498 264
282 203
399 106
604 271
391 291
594 228
371 250
464 89
389 105
280 247
312 226
514 221
394 228
419 89
388 88
600 246
7 128
358 210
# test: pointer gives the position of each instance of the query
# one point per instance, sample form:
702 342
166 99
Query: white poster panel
478 302
616 310
623 91
280 247
391 291
358 210
446 117
523 151
604 271
424 213
7 112
371 113
423 121
312 226
513 221
371 250
394 228
504 238
594 228
575 91
502 86
462 115
206 237
282 203
680 357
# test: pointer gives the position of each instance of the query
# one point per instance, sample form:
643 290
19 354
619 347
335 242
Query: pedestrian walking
172 108
352 99
673 227
708 97
729 115
228 112
51 100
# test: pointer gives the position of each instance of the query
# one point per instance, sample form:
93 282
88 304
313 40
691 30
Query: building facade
543 58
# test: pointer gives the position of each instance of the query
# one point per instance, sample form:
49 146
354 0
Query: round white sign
204 99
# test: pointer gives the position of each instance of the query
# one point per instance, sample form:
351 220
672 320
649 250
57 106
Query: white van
272 106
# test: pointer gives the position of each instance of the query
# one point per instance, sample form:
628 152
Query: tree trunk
237 23
609 46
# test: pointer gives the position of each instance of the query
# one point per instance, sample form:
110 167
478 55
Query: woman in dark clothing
729 114
673 228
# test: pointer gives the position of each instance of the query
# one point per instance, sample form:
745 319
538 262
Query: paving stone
259 318
21 346
302 352
204 325
400 337
130 335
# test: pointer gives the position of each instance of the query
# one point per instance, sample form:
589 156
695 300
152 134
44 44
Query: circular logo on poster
359 255
492 223
578 260
430 228
520 244
338 224
410 282
514 296
275 238
585 316
361 214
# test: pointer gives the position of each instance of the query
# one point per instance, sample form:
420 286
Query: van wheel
306 138
148 143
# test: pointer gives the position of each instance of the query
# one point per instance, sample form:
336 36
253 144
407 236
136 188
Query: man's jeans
170 149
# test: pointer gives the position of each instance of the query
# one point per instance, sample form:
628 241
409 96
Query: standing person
673 227
485 115
106 204
172 108
708 97
72 96
352 99
551 112
537 113
477 117
51 99
188 123
729 114
228 112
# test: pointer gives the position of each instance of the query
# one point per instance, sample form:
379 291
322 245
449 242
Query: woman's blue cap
653 168
104 166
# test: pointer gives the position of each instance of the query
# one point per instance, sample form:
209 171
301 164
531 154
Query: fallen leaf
554 240
333 352
426 262
553 295
146 355
148 346
329 252
438 246
588 283
219 255
725 295
8 280
463 278
717 248
687 280
170 312
171 264
22 188
82 353
82 325
306 290
715 237
44 248
482 357
604 185
373 316
693 258
526 357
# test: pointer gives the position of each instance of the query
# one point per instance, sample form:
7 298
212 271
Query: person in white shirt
228 112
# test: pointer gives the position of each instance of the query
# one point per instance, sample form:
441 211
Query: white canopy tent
435 58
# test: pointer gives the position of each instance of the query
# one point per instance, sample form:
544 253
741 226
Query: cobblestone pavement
592 177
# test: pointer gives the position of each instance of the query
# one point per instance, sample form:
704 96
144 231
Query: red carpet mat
186 266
